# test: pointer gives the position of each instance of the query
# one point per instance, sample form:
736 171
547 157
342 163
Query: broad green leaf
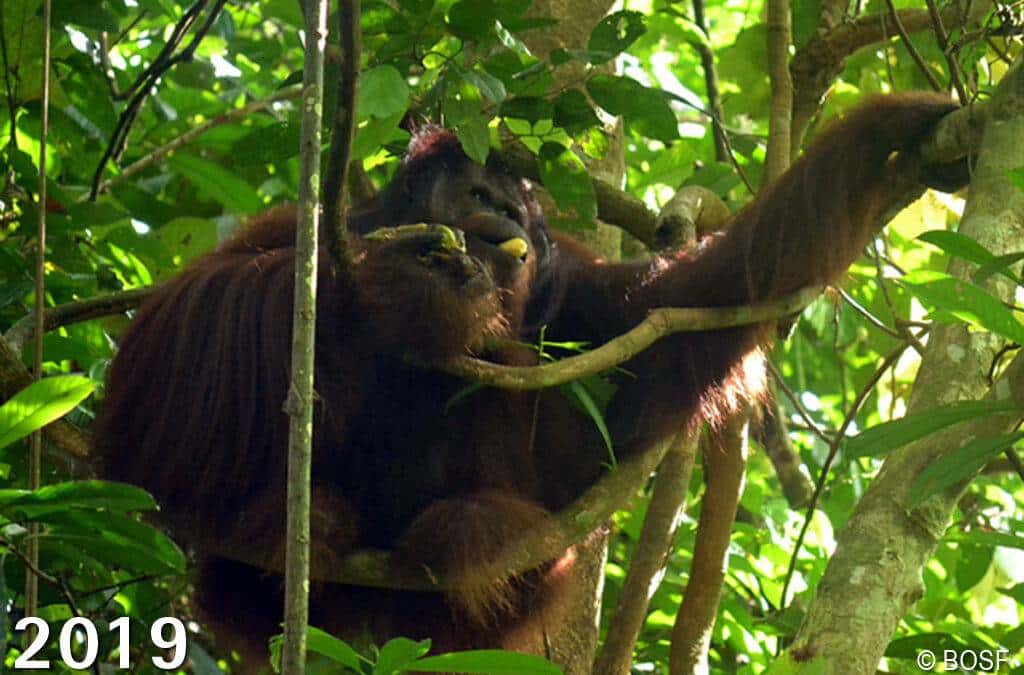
40 403
530 108
397 655
322 643
383 92
125 541
962 246
186 238
984 538
806 18
473 19
84 494
957 466
1000 264
491 87
972 564
218 183
882 438
573 112
487 662
647 109
475 138
617 31
965 301
337 650
376 133
565 176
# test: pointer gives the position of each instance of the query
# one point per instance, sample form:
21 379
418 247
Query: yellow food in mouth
515 247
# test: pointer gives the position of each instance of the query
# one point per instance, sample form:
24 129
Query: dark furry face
458 297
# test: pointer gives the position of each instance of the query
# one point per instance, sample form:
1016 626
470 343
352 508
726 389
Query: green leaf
336 650
965 301
565 176
962 246
529 108
475 138
646 109
574 113
383 92
958 466
83 494
1000 264
985 538
487 662
488 85
218 183
579 393
882 438
40 403
1016 177
397 655
376 133
120 540
617 31
972 563
473 19
186 238
806 18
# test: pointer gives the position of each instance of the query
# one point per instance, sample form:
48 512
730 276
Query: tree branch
336 176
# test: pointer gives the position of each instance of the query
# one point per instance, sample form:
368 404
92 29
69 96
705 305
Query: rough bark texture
875 573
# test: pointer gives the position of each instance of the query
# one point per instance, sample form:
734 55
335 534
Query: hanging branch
35 456
336 176
707 62
725 458
942 38
148 79
661 523
779 39
299 404
933 82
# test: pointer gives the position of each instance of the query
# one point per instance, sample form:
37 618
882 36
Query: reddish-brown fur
193 405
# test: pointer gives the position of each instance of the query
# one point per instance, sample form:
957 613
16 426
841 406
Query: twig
148 79
1014 459
34 570
812 426
914 54
826 467
707 62
180 141
942 38
35 454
